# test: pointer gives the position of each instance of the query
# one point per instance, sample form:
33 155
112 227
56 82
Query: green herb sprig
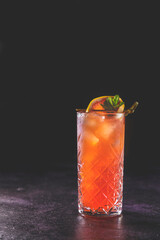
112 104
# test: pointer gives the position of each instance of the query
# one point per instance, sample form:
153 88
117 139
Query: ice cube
105 130
119 116
90 138
91 120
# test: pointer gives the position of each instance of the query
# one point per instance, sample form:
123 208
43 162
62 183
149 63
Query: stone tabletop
42 206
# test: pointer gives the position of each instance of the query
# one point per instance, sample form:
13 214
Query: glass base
101 213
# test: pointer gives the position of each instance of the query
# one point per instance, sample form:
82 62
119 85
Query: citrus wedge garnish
106 103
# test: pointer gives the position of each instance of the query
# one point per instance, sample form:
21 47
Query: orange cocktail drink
100 149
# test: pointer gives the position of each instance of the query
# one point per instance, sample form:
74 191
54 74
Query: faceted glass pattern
100 149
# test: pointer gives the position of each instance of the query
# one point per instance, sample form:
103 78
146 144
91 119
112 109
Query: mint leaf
116 99
107 105
120 104
112 103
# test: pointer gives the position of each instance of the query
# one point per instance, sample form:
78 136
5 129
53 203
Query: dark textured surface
44 206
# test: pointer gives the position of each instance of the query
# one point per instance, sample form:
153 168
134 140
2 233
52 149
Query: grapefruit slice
106 103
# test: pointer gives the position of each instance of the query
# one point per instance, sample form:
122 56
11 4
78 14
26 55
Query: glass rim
101 111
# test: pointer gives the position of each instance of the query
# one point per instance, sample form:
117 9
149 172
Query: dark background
54 59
